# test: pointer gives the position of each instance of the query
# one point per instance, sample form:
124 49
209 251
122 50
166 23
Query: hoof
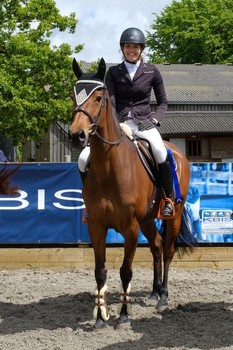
151 300
154 296
123 325
162 309
100 324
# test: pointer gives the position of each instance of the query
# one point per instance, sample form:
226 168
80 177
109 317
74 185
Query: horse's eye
98 99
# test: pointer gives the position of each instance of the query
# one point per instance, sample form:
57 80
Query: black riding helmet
133 36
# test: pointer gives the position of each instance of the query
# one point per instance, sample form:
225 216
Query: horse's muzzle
78 139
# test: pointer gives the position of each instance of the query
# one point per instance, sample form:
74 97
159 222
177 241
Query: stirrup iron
161 206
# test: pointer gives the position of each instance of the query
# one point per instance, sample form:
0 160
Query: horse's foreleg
100 313
124 308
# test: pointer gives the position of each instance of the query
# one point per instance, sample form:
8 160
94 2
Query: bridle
95 121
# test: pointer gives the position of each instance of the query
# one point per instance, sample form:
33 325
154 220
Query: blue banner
49 207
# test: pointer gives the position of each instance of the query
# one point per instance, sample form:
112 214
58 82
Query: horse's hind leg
124 308
155 242
172 231
100 312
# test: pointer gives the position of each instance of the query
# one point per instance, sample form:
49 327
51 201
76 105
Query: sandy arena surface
52 310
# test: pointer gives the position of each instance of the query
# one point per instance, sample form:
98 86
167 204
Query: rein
95 121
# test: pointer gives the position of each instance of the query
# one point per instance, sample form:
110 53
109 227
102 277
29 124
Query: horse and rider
118 191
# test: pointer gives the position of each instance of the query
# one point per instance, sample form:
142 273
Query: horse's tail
5 183
188 237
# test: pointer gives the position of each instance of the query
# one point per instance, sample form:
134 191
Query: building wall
61 146
54 147
180 143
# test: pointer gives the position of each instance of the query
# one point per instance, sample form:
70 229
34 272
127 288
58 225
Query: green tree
190 31
36 79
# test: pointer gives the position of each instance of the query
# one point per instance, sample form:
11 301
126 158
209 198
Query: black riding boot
166 179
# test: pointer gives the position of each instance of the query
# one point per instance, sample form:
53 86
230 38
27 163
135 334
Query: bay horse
117 192
5 184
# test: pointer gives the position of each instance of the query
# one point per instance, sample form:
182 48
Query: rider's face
132 52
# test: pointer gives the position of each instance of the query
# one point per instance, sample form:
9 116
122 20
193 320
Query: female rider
129 86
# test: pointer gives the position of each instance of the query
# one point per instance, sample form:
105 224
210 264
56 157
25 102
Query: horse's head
89 100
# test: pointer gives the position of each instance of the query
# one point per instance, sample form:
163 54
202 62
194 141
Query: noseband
95 121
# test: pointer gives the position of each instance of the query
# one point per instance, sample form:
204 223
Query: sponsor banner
211 201
48 209
50 206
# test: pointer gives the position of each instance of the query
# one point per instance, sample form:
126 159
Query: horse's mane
5 183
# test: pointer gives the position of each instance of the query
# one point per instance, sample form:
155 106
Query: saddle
144 152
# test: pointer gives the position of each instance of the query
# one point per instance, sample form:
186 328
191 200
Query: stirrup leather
85 217
161 206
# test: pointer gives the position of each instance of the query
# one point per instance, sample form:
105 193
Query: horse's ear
77 70
101 69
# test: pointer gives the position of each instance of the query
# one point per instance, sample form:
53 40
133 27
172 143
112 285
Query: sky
102 22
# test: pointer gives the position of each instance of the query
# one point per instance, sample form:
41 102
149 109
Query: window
194 148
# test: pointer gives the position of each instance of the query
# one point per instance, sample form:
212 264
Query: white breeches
154 138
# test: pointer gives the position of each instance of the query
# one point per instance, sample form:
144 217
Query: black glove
146 125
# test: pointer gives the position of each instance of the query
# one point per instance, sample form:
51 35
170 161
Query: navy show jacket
134 95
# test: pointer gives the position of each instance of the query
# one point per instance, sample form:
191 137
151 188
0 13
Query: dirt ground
52 310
